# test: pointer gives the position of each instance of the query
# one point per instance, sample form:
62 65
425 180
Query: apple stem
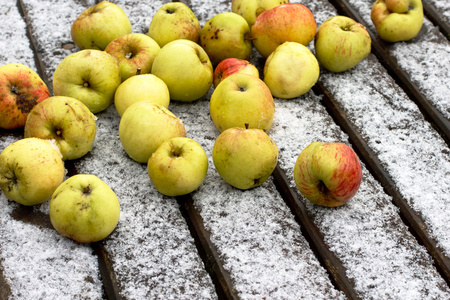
86 190
246 125
138 71
15 90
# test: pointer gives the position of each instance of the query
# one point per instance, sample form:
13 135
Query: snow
254 232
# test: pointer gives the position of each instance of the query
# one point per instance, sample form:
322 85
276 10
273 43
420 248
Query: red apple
328 174
20 90
231 66
290 22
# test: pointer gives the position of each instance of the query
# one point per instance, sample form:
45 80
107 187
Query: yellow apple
145 87
186 69
144 126
291 70
226 35
244 158
84 208
393 23
134 52
251 9
178 166
30 170
173 21
98 25
91 76
65 120
242 99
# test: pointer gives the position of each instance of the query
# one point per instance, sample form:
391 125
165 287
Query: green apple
65 120
186 69
341 43
84 208
328 174
291 70
251 9
144 126
91 76
98 25
30 170
291 22
173 21
226 35
231 66
397 20
242 99
135 53
145 87
20 90
244 158
178 167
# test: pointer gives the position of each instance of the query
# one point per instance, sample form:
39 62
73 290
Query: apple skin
67 121
180 55
244 158
226 35
173 21
84 208
145 87
399 26
30 170
328 174
291 22
231 66
250 9
20 90
341 43
91 76
178 167
135 53
242 99
291 70
144 126
98 25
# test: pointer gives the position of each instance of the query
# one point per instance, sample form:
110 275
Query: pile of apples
180 61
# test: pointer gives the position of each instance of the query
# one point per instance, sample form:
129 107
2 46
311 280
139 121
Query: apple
186 69
91 76
341 43
397 20
173 21
98 25
84 208
20 90
178 167
145 87
135 53
242 99
244 157
226 35
65 120
291 70
290 22
30 170
144 126
328 174
250 9
231 66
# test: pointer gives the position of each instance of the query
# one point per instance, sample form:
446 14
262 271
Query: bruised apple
20 90
30 170
65 120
